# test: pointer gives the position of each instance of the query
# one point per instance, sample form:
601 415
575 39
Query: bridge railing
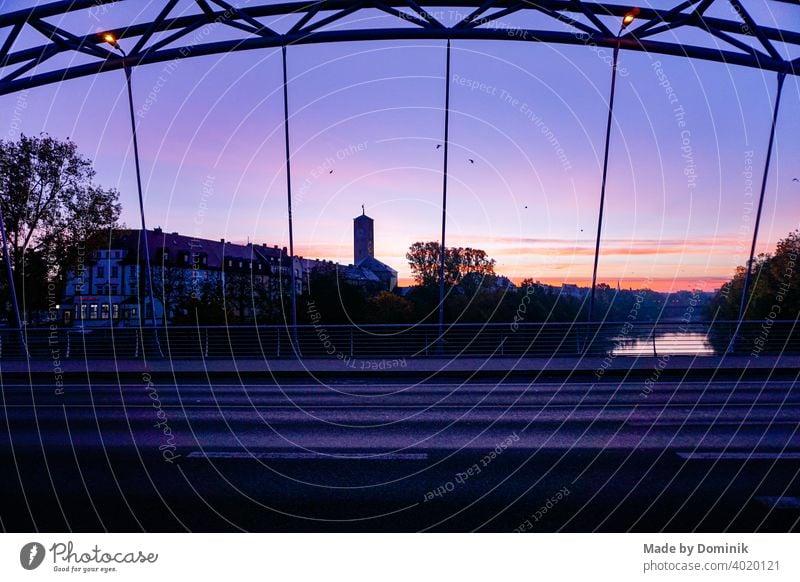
376 342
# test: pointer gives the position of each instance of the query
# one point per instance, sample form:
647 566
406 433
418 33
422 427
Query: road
399 454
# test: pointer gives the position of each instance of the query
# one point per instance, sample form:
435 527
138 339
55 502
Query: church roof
375 265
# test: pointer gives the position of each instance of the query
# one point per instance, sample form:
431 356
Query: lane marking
783 502
694 456
425 405
599 385
744 422
277 456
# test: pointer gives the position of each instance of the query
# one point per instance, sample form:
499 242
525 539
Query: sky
687 150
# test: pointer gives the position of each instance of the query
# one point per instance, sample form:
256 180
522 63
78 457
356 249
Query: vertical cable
141 208
604 179
776 108
289 195
443 247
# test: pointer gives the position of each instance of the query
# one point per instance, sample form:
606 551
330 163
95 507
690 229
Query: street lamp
629 17
113 41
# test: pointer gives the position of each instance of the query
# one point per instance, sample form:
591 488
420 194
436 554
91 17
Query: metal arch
325 21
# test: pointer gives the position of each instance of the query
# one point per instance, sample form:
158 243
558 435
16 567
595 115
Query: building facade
109 288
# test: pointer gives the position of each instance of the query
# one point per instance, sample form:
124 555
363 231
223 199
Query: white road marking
275 456
738 456
784 502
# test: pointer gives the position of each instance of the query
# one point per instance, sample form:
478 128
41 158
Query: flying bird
438 146
331 172
471 161
795 180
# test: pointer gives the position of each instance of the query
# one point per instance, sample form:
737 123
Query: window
230 263
115 311
105 309
114 272
115 289
134 312
101 271
93 311
82 313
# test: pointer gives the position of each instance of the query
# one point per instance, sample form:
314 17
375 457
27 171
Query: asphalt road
399 454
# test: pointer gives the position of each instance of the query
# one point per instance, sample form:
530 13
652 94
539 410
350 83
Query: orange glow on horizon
661 285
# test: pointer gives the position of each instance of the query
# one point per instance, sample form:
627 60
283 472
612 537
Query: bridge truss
722 31
737 39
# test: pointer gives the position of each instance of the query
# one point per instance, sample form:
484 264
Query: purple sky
531 116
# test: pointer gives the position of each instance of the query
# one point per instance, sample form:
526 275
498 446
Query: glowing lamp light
110 39
630 16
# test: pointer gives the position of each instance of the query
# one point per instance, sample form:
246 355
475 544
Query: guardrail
347 342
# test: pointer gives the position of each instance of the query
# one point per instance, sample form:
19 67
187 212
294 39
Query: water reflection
669 343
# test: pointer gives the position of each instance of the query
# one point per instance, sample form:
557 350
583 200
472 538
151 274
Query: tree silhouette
424 258
52 209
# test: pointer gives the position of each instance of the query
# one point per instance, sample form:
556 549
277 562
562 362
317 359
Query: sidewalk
386 366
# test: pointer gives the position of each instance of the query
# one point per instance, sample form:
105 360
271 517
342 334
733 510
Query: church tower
363 237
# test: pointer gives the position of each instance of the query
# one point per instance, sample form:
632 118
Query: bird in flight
471 161
795 180
331 172
438 146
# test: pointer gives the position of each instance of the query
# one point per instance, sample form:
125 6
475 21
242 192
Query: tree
386 307
51 208
424 259
334 298
171 283
204 306
774 281
238 293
